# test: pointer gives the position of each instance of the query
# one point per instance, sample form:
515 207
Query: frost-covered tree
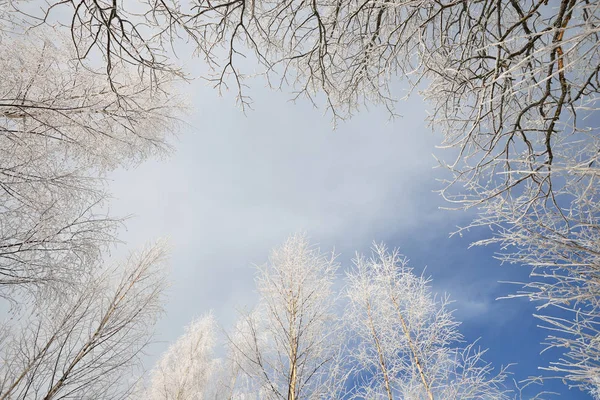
564 252
512 84
395 339
62 129
535 58
187 370
86 343
404 341
289 346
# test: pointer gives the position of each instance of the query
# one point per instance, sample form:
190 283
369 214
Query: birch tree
187 370
563 250
405 342
534 57
288 347
62 129
86 344
512 85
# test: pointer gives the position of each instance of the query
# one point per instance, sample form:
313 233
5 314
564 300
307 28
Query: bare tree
187 368
63 127
510 82
406 343
288 347
61 130
563 250
86 344
513 85
525 56
395 339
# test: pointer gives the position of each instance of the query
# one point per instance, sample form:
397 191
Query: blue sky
238 185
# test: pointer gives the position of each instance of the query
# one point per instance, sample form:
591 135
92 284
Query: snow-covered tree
62 129
404 341
289 346
512 85
86 343
508 68
563 249
187 370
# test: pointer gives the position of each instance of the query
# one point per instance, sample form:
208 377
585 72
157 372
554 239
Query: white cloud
238 185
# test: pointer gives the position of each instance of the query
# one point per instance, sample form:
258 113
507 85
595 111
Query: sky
239 184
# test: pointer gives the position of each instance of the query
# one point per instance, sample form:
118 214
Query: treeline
384 335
